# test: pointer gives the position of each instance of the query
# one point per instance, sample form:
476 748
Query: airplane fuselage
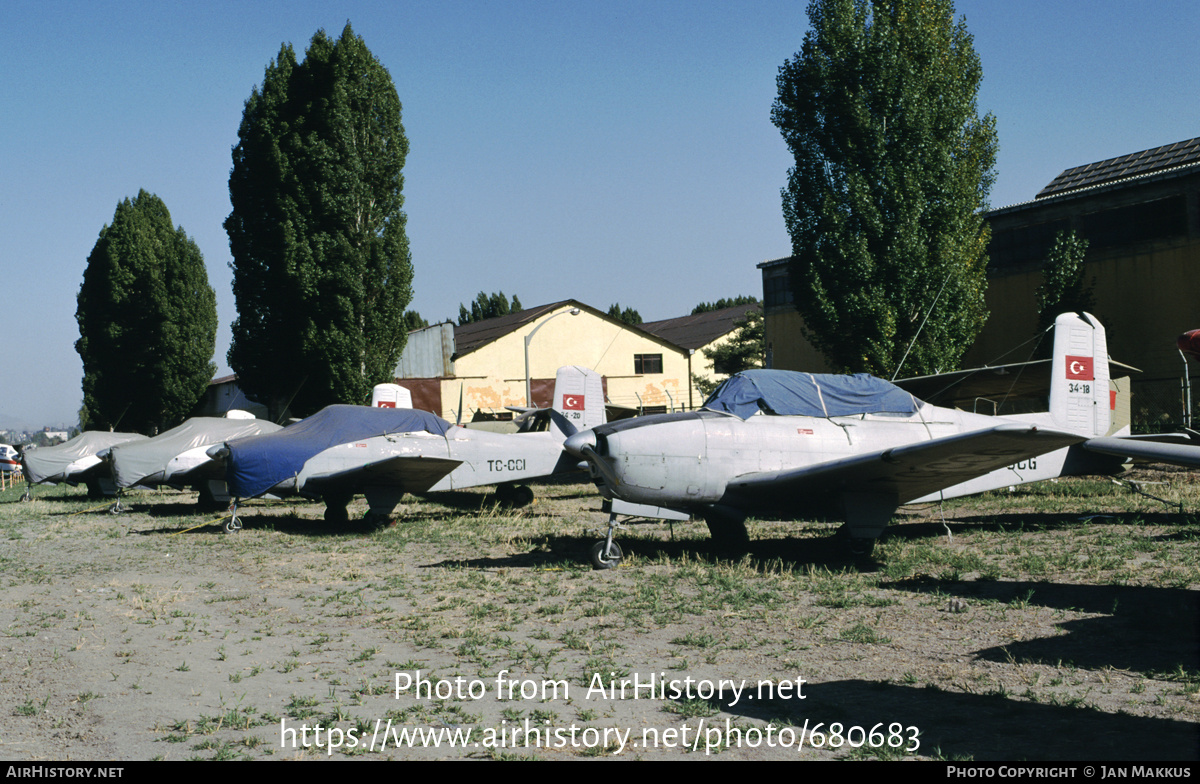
692 461
700 452
386 467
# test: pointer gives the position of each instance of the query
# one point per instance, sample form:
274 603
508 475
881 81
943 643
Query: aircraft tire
855 546
522 496
336 514
514 495
602 560
728 533
206 501
376 520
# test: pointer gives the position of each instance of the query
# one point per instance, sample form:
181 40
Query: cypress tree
147 322
321 262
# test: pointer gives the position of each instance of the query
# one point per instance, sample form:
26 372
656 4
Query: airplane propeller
583 444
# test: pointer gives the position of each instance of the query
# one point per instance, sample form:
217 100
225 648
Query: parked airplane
384 453
75 462
854 447
10 459
179 456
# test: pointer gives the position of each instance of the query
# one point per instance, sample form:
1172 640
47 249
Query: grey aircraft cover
143 462
72 461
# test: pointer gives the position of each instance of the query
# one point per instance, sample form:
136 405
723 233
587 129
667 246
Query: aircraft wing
911 471
407 474
1185 454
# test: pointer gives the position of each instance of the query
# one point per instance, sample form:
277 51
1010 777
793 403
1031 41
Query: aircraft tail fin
1081 397
578 400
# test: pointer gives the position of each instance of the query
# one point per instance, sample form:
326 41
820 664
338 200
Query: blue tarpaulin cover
257 464
790 393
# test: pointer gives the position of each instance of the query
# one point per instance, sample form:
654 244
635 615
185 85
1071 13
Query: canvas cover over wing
49 463
791 393
255 465
137 461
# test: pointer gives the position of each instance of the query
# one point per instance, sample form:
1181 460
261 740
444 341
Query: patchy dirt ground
1026 633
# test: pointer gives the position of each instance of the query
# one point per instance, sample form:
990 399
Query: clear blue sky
604 151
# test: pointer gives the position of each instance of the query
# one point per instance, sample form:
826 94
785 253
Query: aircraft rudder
579 396
1081 397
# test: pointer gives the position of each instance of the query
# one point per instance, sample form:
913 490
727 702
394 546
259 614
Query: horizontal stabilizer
1139 449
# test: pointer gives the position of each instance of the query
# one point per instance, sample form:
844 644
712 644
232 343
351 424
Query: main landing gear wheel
336 514
514 495
855 546
728 532
375 520
208 502
606 555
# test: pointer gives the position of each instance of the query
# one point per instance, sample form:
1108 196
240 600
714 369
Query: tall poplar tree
892 170
147 322
1064 287
322 272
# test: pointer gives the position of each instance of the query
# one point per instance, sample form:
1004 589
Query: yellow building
700 332
484 363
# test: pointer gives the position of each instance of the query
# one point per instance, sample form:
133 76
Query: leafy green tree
721 304
322 272
892 170
488 306
745 349
413 320
625 316
1063 288
147 322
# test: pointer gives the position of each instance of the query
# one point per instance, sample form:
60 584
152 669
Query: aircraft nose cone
576 443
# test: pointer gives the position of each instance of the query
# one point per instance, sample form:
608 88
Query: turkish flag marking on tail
386 404
1080 368
572 402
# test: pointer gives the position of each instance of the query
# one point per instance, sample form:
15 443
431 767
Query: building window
647 363
777 286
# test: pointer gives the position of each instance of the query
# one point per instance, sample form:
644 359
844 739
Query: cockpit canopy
791 393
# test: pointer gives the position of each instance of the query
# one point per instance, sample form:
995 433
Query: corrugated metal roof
470 337
693 332
1168 156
